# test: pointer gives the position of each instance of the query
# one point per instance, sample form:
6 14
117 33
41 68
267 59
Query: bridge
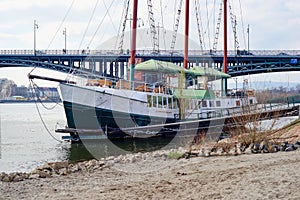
115 64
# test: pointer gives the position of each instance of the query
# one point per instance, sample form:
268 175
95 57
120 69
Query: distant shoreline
27 101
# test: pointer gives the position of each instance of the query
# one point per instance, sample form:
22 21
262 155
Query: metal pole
248 32
65 34
225 46
35 26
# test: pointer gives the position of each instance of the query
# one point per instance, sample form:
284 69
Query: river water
25 143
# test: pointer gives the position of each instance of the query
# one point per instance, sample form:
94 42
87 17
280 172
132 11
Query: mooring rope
32 84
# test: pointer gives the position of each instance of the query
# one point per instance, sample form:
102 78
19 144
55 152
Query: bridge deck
114 64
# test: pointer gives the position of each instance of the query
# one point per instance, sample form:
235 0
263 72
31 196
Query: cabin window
170 103
154 101
159 101
218 103
211 104
175 104
238 103
149 101
204 104
251 101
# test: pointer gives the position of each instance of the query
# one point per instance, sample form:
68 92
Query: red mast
133 42
186 34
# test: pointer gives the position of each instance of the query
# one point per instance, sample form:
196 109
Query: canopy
194 94
158 66
210 72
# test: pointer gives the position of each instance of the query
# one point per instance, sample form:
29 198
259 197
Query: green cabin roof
194 94
157 66
206 71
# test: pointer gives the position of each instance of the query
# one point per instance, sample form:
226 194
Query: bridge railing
150 52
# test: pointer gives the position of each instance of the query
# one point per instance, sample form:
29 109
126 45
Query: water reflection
102 148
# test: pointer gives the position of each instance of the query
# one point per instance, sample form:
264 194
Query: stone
297 145
7 178
58 165
289 147
276 148
101 163
132 159
33 176
20 177
81 166
63 171
45 166
283 146
2 175
248 150
110 158
43 174
156 154
256 148
219 151
263 146
73 168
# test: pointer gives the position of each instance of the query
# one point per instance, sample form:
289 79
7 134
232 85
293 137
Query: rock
256 148
232 151
20 177
45 166
43 174
132 159
110 158
58 165
276 148
248 150
156 154
204 153
33 176
219 151
91 164
2 175
283 146
73 168
63 171
138 156
81 166
290 147
297 145
263 147
7 178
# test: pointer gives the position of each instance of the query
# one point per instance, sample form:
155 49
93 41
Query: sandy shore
254 176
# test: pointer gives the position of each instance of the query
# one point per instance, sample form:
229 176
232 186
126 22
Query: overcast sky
274 24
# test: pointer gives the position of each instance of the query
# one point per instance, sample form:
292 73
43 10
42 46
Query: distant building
20 91
44 93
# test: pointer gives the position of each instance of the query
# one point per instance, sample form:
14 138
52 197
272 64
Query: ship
171 100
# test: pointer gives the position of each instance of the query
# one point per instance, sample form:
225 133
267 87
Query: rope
208 25
92 16
163 25
61 24
101 22
123 25
242 19
32 84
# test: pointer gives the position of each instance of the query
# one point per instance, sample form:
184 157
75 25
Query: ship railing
251 109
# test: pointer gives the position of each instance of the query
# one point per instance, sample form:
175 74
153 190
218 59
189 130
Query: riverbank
253 176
